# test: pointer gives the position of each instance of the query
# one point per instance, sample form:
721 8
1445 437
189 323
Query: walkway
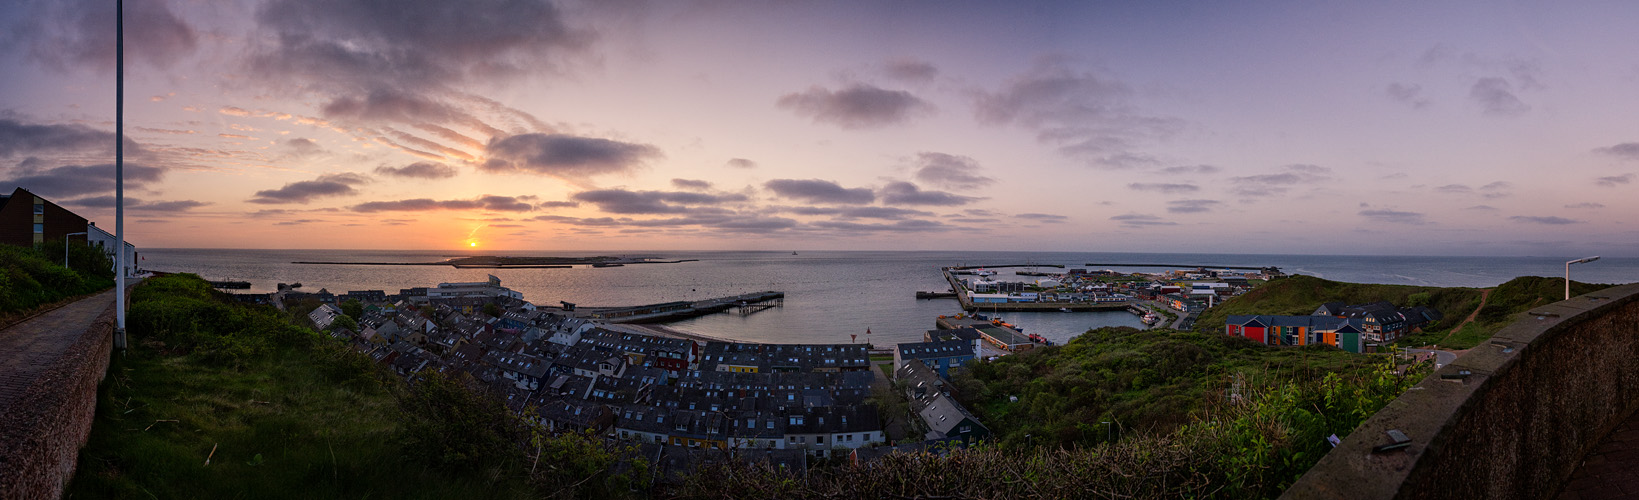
1611 470
49 369
30 348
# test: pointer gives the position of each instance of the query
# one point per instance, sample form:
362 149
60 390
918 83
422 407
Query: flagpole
119 174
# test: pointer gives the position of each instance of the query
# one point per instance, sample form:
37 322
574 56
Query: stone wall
1511 418
42 431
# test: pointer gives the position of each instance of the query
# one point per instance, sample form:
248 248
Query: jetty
666 312
1191 266
964 297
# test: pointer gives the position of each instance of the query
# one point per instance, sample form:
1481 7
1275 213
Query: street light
65 247
1568 272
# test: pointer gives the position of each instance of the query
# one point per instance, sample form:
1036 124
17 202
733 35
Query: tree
354 308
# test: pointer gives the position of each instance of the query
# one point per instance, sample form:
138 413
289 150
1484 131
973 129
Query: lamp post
1108 436
1568 272
65 247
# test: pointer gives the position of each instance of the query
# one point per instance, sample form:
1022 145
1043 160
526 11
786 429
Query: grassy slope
1299 295
1151 380
322 423
29 279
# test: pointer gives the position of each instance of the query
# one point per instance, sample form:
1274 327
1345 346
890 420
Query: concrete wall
1536 398
42 431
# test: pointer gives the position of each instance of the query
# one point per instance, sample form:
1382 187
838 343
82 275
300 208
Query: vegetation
1303 294
32 277
221 400
1251 446
1501 305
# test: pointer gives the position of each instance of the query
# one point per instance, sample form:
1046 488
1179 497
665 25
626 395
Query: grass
289 422
1301 295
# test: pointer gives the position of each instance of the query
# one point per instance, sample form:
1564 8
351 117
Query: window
819 439
39 209
39 229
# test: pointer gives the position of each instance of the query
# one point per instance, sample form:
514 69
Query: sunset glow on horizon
1471 128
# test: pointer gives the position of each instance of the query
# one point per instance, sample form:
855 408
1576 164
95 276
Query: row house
945 356
761 358
930 400
1348 334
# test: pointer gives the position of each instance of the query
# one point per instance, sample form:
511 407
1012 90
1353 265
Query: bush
30 278
184 313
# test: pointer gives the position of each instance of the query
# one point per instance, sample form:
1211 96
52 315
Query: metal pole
119 174
1567 281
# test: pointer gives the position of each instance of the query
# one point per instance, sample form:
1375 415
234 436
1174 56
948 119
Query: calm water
829 295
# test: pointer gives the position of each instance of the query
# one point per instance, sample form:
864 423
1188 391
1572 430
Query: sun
472 244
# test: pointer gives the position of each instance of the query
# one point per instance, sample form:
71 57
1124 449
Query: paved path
30 348
1611 470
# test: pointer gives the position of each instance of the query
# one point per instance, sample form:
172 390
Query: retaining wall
1511 418
43 428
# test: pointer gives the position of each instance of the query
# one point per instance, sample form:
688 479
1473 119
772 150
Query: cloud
1483 207
889 213
1554 221
950 171
1496 97
819 191
80 33
1409 94
486 202
910 70
1192 206
297 222
1455 189
620 201
1191 169
1626 150
79 180
1085 114
1141 221
305 191
690 184
905 193
360 46
904 226
727 223
557 204
136 204
18 138
1588 205
1497 189
1394 217
301 147
1044 218
1612 181
1280 183
740 163
565 156
856 107
1164 188
419 170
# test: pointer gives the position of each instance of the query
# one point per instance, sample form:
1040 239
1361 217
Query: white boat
983 272
1065 309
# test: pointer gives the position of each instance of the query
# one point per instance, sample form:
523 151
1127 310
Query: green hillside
1303 294
1299 295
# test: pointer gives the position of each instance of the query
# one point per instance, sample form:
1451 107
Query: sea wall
51 410
1511 418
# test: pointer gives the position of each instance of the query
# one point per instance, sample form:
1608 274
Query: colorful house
1345 333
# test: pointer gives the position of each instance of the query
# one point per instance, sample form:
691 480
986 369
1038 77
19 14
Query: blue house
942 356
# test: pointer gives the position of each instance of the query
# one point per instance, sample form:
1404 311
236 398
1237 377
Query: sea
830 296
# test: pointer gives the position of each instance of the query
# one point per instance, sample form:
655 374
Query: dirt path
1484 295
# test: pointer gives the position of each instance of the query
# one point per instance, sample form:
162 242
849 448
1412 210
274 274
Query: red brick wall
47 425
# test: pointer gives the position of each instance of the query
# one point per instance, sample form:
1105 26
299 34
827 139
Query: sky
1416 128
